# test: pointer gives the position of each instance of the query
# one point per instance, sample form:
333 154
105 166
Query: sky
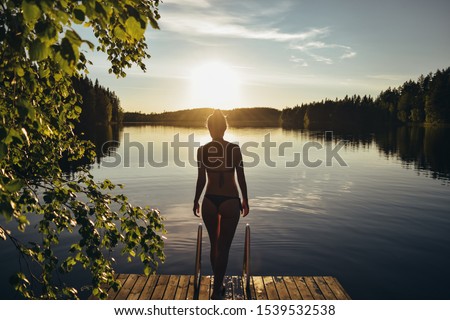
260 53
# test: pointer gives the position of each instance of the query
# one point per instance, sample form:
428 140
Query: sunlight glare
215 85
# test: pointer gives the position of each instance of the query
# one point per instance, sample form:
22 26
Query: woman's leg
228 220
211 220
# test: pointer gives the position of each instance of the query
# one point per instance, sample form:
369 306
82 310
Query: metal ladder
198 260
245 266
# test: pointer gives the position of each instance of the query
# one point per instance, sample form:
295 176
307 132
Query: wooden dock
181 287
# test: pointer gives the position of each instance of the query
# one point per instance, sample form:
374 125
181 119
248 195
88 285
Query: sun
215 84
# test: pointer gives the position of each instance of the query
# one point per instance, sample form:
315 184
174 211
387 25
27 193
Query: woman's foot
218 294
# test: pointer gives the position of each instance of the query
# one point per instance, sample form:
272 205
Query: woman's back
220 158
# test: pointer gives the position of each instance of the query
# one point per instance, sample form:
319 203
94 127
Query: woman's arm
241 181
201 181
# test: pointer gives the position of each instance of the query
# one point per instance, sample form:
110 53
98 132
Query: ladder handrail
246 265
198 259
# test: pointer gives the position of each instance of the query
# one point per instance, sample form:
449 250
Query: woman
221 206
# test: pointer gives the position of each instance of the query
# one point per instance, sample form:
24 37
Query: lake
370 208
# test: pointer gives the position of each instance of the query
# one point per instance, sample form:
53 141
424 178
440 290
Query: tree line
189 116
99 105
235 117
426 100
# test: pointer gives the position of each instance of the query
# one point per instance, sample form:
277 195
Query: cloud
320 51
348 55
200 24
299 62
207 20
319 58
390 77
193 3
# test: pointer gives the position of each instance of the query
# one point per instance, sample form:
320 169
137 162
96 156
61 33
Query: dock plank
260 289
281 288
171 288
137 288
191 289
149 287
182 289
303 288
126 287
205 285
160 288
314 288
324 288
271 290
292 289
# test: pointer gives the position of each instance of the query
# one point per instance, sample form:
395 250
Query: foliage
40 53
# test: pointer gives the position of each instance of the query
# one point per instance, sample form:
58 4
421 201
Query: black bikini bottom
219 199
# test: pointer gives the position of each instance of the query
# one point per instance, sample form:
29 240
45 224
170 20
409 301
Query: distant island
425 101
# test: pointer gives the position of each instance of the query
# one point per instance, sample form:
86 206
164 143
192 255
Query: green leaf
31 11
39 50
51 33
20 72
6 209
79 16
44 72
134 28
153 23
68 51
120 34
57 76
23 222
73 37
13 135
3 150
26 109
3 133
14 185
101 12
147 270
2 234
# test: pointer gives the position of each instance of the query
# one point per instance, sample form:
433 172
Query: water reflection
424 149
105 138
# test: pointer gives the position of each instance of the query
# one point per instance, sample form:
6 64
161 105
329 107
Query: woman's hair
217 122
